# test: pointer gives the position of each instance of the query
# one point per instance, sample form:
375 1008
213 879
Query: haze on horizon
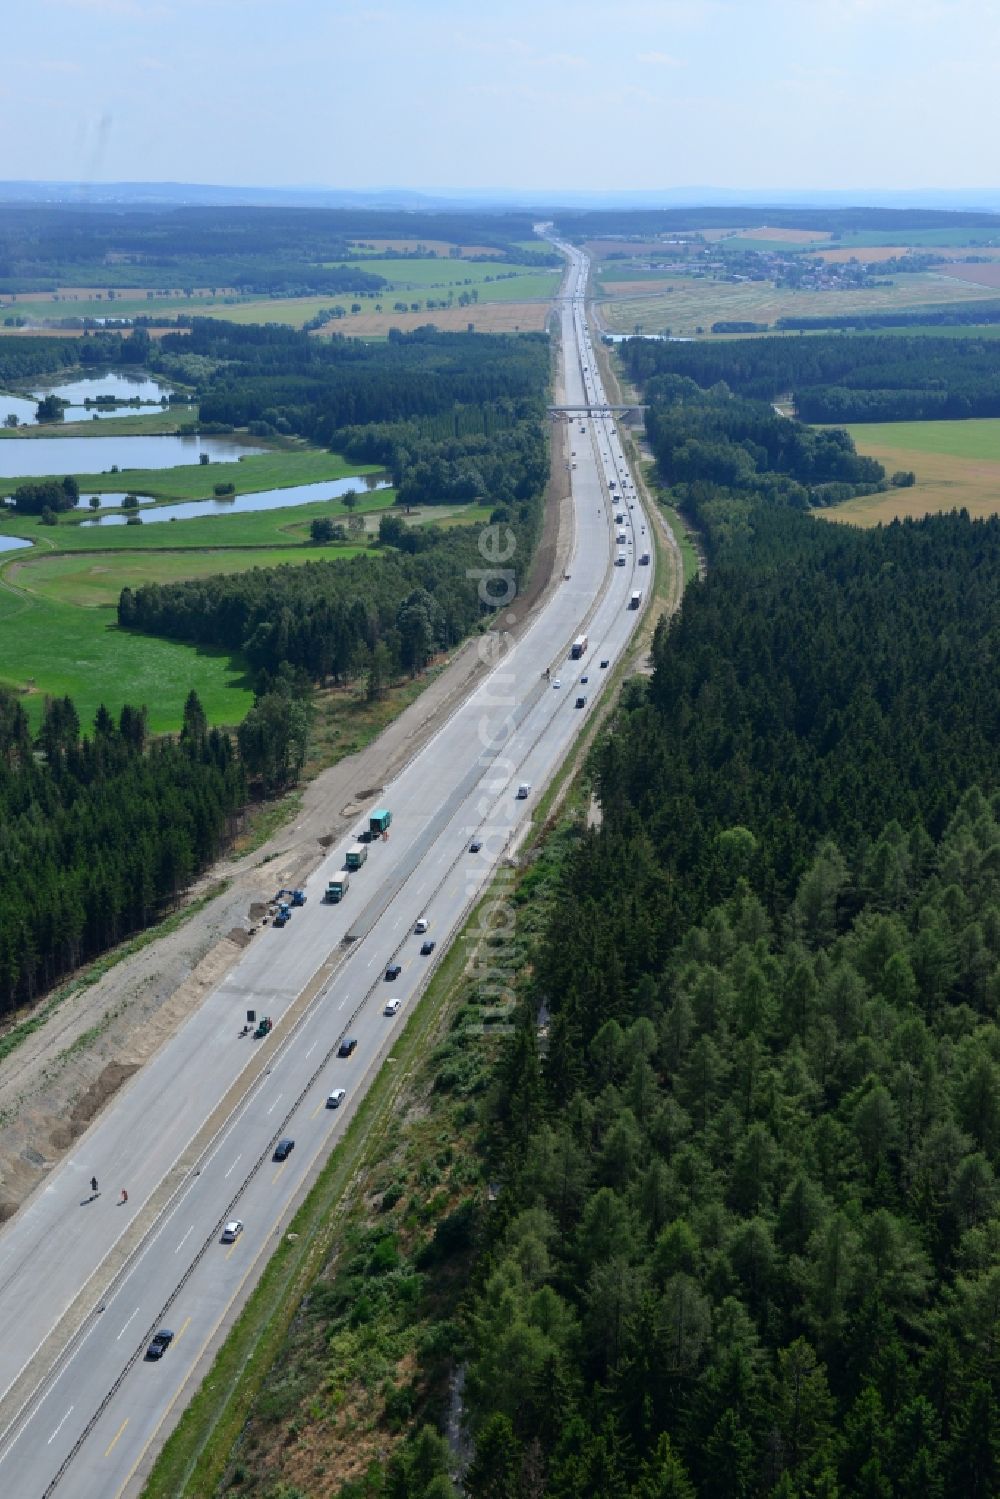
437 95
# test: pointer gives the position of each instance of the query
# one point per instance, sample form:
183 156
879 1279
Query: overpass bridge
633 414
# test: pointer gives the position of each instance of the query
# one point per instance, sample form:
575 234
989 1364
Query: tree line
371 617
101 830
714 438
745 1242
623 223
318 387
272 250
837 378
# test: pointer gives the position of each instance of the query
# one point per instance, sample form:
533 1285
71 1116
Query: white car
422 924
556 682
232 1231
392 1007
336 1098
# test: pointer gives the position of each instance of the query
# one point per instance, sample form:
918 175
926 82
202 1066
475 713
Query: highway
85 1281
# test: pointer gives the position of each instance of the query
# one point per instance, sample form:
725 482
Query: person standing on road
124 1195
93 1185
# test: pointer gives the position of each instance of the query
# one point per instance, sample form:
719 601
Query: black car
581 702
346 1046
475 846
283 1149
426 948
393 971
605 665
161 1342
584 679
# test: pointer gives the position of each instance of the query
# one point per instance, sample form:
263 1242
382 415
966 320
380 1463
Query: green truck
356 855
336 888
378 822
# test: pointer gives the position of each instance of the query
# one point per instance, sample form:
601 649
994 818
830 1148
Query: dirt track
59 1078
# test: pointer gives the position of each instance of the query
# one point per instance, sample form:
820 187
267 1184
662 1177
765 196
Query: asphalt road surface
85 1281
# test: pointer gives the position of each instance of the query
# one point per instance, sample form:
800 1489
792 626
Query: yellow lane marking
185 1324
114 1440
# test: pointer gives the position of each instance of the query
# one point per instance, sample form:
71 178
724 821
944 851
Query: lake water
124 385
8 543
34 457
265 499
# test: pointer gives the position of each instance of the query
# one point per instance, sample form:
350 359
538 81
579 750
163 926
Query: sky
513 95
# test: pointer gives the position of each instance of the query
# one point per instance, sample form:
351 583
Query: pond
124 385
8 543
35 457
265 499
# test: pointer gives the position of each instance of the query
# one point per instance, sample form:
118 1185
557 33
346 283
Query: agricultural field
485 317
409 280
957 465
975 275
689 305
867 255
58 631
48 646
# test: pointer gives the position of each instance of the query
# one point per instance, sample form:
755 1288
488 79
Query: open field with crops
690 304
485 317
410 280
957 465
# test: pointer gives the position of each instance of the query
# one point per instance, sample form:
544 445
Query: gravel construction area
57 1081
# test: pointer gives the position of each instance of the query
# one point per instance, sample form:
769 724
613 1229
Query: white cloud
660 59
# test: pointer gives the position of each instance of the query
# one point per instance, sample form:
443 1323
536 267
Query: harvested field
786 236
484 317
975 275
866 254
957 465
688 301
637 288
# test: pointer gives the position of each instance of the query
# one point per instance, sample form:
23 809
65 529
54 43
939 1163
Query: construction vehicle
336 888
379 821
356 855
264 1025
295 897
282 916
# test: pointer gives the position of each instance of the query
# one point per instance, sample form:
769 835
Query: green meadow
58 629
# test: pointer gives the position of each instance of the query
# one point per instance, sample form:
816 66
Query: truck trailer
336 888
356 855
578 647
379 821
